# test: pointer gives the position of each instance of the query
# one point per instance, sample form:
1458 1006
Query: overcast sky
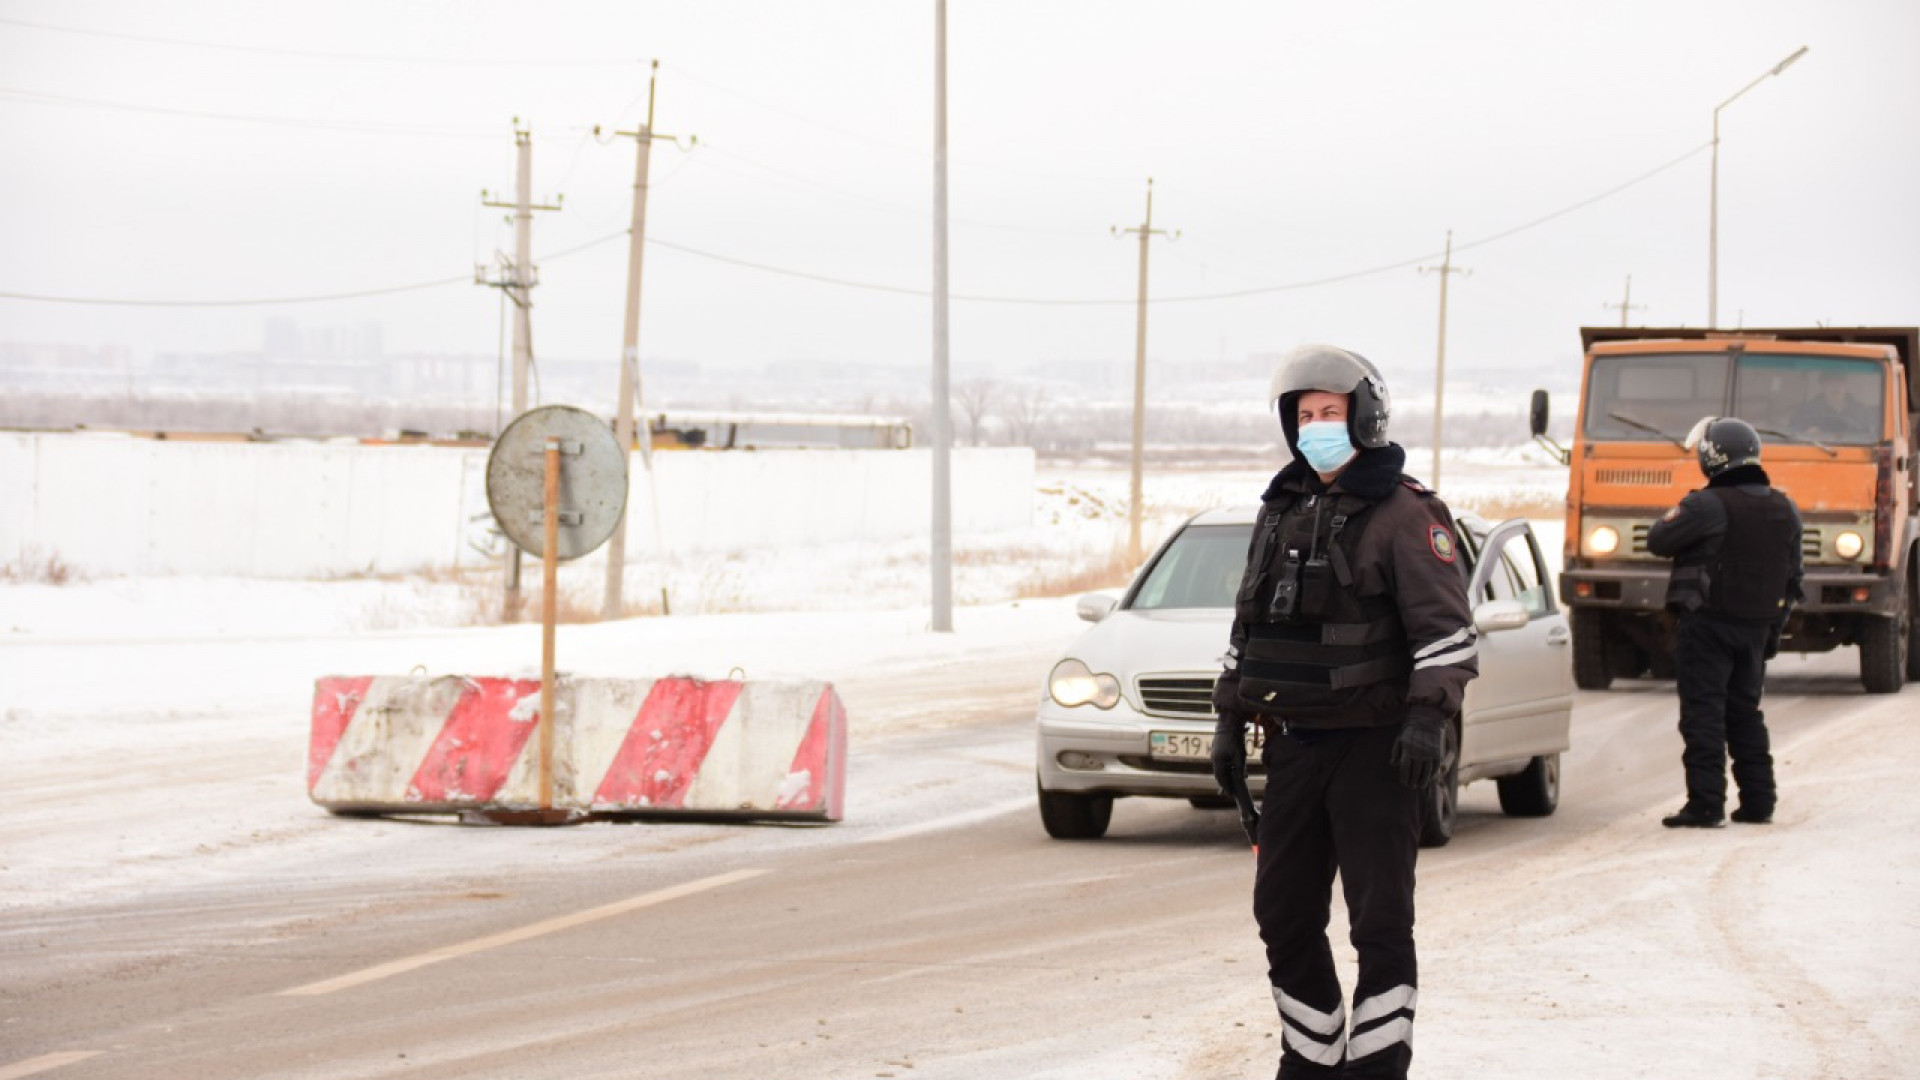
1290 143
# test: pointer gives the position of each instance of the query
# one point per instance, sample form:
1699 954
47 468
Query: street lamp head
1788 62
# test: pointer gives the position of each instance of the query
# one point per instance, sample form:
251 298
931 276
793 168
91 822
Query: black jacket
1409 550
1694 533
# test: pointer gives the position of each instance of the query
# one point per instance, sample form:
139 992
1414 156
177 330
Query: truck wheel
1590 668
1913 631
1071 816
1442 799
1883 654
1533 791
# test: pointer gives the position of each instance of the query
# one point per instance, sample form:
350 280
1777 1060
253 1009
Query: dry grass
1531 505
485 604
35 567
1109 570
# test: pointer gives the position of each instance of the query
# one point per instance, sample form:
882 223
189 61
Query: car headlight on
1848 545
1603 540
1072 683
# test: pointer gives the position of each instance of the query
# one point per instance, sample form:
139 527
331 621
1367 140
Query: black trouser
1336 804
1719 665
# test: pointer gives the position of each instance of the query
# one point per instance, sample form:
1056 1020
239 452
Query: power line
312 54
826 279
34 97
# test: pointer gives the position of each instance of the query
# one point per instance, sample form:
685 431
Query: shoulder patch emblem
1671 514
1442 543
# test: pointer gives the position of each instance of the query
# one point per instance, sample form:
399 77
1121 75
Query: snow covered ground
187 700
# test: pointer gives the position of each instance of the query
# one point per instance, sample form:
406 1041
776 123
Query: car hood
1128 643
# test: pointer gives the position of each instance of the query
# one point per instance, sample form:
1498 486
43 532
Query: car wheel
1533 791
1591 671
1883 654
1071 816
1441 801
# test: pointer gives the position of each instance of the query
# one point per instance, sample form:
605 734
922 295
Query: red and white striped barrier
621 746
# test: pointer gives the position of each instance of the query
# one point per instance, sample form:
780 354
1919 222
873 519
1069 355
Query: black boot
1752 815
1694 817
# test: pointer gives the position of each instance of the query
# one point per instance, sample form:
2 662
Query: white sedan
1129 709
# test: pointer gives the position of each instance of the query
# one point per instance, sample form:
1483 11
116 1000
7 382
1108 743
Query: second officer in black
1735 546
1352 643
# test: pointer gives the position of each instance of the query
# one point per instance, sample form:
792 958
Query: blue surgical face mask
1325 445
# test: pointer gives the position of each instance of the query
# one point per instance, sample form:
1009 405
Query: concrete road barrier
655 747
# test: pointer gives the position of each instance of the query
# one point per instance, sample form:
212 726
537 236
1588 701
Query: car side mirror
1537 413
1094 606
1497 615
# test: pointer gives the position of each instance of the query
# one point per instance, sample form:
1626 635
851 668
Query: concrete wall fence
112 505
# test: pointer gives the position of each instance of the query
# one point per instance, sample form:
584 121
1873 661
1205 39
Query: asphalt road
938 933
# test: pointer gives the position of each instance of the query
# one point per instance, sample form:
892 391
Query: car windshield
1200 569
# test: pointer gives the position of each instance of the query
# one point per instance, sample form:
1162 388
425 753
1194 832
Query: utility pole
1446 269
516 278
613 604
940 556
1626 303
1146 232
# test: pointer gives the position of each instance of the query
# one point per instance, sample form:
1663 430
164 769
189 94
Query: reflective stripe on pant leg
1320 1037
1381 1021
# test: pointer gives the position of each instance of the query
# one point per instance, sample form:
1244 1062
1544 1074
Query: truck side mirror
1537 420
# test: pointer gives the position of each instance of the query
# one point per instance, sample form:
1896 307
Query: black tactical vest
1316 650
1747 577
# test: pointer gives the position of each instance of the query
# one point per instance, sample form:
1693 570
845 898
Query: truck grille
1635 477
1176 697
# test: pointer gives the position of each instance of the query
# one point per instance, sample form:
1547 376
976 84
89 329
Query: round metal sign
593 480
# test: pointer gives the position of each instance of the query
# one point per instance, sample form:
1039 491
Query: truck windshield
1654 395
1818 399
1200 569
1814 399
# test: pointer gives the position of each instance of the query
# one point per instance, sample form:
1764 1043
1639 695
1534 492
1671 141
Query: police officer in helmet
1352 642
1735 546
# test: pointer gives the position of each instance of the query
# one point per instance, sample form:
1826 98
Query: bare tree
974 396
1024 411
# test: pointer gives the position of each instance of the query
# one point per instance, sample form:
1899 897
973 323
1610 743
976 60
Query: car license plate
1180 745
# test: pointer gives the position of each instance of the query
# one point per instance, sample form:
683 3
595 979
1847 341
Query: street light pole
1713 196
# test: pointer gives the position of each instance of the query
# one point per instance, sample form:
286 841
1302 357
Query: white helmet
1335 371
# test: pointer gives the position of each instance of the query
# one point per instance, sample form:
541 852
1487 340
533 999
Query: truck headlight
1848 545
1603 540
1072 684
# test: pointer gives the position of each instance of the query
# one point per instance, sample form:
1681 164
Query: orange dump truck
1836 411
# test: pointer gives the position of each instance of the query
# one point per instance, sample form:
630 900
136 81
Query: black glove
1230 771
1230 752
1773 642
1422 743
